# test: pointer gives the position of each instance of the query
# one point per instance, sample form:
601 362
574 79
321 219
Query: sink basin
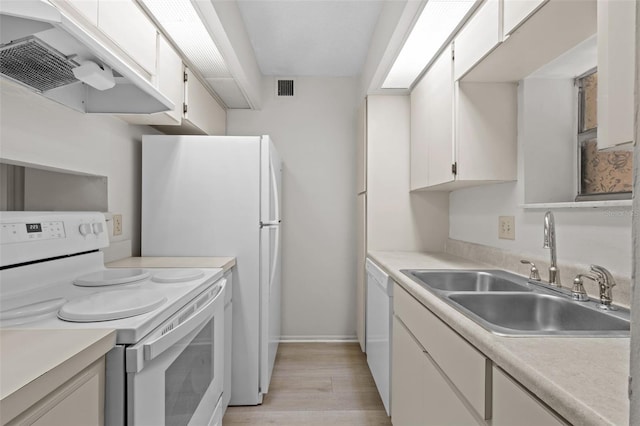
458 280
540 314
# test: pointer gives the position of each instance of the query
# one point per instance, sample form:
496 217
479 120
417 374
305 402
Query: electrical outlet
506 227
117 224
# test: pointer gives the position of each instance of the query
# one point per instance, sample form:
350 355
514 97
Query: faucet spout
549 242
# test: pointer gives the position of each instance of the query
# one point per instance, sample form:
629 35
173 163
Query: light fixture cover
437 22
100 78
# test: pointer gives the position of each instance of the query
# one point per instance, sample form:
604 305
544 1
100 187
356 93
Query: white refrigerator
220 196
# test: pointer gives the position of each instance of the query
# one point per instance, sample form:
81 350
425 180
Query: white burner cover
33 309
177 275
112 277
111 305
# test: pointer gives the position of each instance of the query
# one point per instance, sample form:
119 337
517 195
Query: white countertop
225 263
33 363
583 379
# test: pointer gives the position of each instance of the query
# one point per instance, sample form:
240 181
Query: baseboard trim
318 339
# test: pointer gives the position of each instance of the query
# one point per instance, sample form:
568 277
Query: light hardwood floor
316 384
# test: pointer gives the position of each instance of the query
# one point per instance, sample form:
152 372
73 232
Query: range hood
42 49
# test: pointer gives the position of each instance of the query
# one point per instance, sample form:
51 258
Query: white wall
315 133
39 131
584 236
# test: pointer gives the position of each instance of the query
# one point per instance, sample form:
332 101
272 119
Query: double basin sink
509 305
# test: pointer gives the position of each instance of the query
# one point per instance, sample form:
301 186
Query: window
603 175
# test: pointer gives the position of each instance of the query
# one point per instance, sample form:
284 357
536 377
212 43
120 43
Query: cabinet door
361 288
478 37
203 111
517 11
87 8
420 394
432 125
616 64
170 78
127 26
513 405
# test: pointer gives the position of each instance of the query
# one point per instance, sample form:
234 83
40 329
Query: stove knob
85 229
97 228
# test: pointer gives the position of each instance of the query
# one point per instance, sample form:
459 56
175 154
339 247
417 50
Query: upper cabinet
200 114
531 34
432 153
478 37
616 63
515 12
87 8
128 27
462 134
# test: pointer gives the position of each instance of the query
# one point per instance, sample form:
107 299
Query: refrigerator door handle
269 223
276 194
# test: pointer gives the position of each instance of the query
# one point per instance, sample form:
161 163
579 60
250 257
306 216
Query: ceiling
324 38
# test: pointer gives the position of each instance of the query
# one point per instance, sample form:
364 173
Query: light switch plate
507 227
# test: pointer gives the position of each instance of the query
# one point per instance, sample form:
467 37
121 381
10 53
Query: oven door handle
172 331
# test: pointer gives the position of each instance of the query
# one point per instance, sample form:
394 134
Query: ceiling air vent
285 88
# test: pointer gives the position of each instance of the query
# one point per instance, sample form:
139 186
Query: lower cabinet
420 393
80 401
439 378
514 405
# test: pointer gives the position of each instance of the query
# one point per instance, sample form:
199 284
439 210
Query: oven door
175 375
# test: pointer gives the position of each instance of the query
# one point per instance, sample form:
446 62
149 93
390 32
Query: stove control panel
36 231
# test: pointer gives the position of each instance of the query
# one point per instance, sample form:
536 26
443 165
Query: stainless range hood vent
36 65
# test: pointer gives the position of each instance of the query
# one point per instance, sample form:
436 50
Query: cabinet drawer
478 37
462 363
512 404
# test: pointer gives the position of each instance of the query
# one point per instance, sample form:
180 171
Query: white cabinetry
127 26
462 134
87 8
432 152
512 404
616 63
170 81
515 12
421 393
80 401
452 375
201 109
478 37
201 113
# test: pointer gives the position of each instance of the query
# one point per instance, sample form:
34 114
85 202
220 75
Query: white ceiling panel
310 37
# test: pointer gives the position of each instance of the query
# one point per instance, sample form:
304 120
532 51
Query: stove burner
177 275
111 305
112 277
33 309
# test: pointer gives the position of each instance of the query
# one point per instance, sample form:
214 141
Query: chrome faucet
605 283
550 243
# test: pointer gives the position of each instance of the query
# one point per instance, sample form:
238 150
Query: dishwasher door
378 330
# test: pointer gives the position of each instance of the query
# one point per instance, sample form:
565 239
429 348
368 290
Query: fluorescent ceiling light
437 22
183 25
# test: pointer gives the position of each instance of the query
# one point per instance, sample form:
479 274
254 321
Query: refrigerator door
201 197
270 261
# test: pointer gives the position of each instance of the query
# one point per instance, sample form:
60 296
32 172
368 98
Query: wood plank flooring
316 384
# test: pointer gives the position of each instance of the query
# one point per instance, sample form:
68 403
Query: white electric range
168 365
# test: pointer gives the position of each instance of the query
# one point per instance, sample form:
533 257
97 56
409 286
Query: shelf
624 204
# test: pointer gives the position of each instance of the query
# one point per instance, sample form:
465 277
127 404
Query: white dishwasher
378 329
